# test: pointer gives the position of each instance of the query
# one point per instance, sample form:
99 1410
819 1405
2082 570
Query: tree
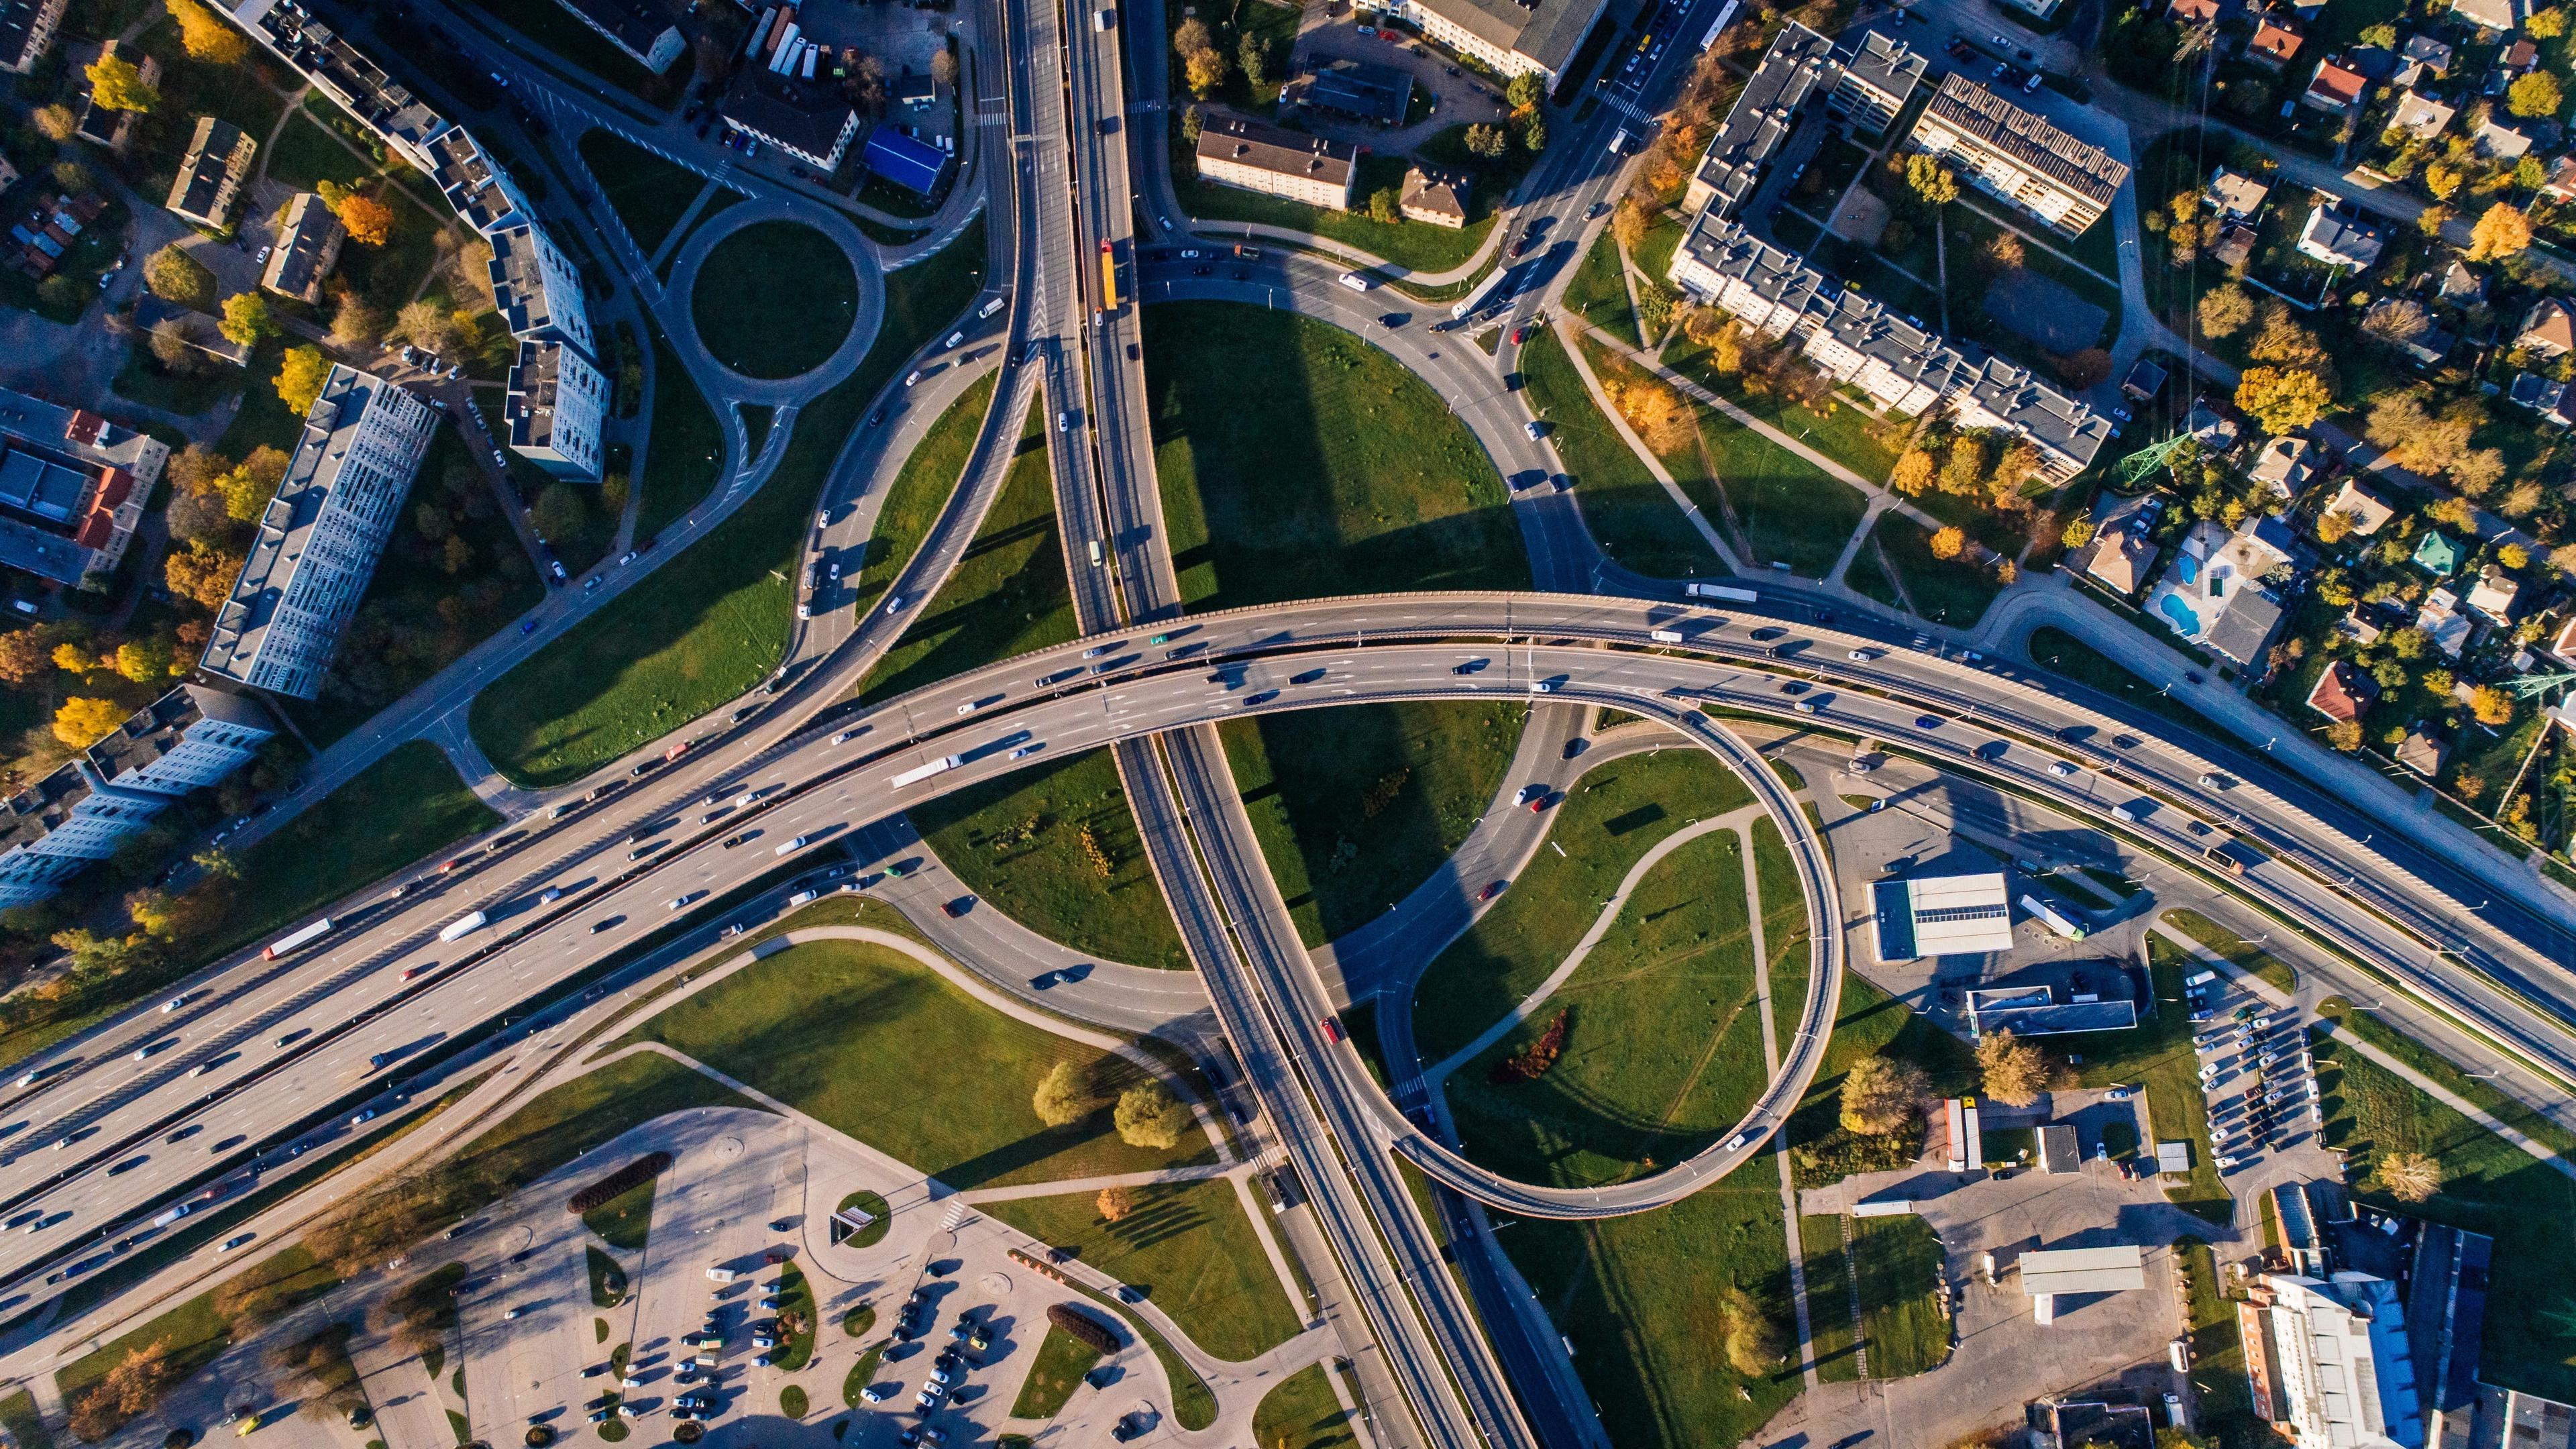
83 722
1253 54
943 68
428 326
2396 321
1114 1203
171 347
1629 223
2012 1070
1964 473
2410 1176
247 322
1754 1343
207 38
1149 1116
56 123
247 488
1061 1096
2077 533
557 515
2490 705
2282 399
1385 205
1206 72
147 661
2546 24
176 277
72 177
355 324
2502 231
2344 735
1930 180
1486 141
1949 542
1534 135
1658 414
2535 93
116 84
1193 121
300 378
1912 474
2334 525
1523 92
369 222
2513 556
2432 219
1880 1094
127 1393
2442 179
1192 37
26 654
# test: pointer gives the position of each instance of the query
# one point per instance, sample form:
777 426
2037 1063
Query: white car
1862 656
874 1394
970 706
2061 769
550 895
915 377
894 604
242 1240
1022 753
1528 793
2224 1161
955 337
843 737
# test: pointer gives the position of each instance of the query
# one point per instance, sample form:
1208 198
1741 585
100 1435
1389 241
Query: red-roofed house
2192 12
2333 89
2343 693
2275 40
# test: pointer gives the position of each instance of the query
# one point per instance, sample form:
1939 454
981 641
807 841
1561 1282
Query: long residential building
646 36
475 188
537 290
557 402
1855 339
189 739
1515 37
72 488
211 175
1866 83
320 537
345 74
1254 156
2018 156
27 30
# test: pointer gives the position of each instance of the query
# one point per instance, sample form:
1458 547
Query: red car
1521 334
1332 1030
1489 892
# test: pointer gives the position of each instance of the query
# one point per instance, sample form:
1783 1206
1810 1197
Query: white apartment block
557 405
2017 156
1515 37
1233 151
320 537
537 289
27 30
647 38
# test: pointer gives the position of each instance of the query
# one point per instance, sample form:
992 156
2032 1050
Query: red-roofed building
2333 89
2276 39
2343 693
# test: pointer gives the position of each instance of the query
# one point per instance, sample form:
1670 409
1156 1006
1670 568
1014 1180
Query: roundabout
786 300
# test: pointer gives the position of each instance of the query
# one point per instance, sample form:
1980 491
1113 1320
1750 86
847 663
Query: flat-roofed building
320 536
1235 151
306 247
2036 1011
557 405
2120 1268
807 121
537 290
2018 156
1515 37
1951 915
72 488
211 174
345 74
475 188
644 34
1878 76
27 30
2341 1367
1798 66
1375 93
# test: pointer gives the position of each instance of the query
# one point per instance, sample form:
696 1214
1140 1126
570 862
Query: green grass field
1598 290
684 449
2220 941
1664 1050
1945 591
26 1426
1899 1261
2059 652
1641 1297
1008 594
306 153
2226 1407
1017 841
1340 473
2488 1186
775 299
713 622
921 488
1635 520
1413 245
626 1220
873 1043
649 192
1300 1412
1792 511
1784 929
1191 1250
1355 807
1834 1334
2159 1055
1617 813
1869 1021
1062 1361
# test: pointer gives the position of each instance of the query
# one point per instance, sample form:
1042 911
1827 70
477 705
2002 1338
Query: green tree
2534 94
1149 1116
1061 1097
247 322
558 514
176 277
1523 92
1253 54
1384 204
1486 141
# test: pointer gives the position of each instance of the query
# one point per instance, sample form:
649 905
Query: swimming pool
2185 622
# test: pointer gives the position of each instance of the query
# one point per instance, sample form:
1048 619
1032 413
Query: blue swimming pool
2188 568
2184 620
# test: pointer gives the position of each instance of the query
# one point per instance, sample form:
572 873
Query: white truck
1727 592
462 927
919 773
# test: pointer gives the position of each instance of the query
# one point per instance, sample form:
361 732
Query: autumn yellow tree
2501 232
1149 1115
368 221
2013 1071
1912 474
1061 1097
206 36
83 722
2491 705
300 378
1949 542
116 85
1114 1203
2282 399
2409 1176
1657 412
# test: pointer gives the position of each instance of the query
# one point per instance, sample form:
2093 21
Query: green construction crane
2135 467
2533 686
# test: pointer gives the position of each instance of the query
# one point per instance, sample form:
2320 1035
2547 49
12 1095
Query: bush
1079 1324
634 1174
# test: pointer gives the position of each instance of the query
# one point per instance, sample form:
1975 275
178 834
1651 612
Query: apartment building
557 404
1234 151
1866 84
306 247
346 75
320 537
1855 339
72 488
104 125
807 121
1515 37
27 29
475 188
536 289
646 36
189 739
211 174
2017 156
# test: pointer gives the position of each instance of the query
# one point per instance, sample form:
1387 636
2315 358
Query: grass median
1298 461
921 488
868 1040
1300 1412
1627 510
1062 1361
684 451
2243 954
1948 591
1188 1247
649 193
713 622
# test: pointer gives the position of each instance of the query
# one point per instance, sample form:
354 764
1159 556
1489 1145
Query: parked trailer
1954 1123
462 927
2054 919
919 773
1728 592
1475 301
297 940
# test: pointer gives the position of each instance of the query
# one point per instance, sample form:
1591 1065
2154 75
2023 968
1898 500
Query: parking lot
2256 1071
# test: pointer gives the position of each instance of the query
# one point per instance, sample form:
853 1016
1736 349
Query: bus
1724 18
1109 299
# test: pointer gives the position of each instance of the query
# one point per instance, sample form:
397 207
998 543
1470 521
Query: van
1666 636
1104 20
1619 143
1095 553
802 897
1356 282
722 1275
2129 812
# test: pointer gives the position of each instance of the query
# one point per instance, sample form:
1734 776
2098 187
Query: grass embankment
607 1280
2488 1186
2243 954
1300 1412
1062 1361
1355 807
1784 930
1187 1246
775 299
1631 515
2159 1055
871 1042
2059 652
1899 1261
1946 591
1598 290
921 488
1663 1046
186 1338
26 1426
1869 1022
649 192
684 451
1605 824
1833 1332
714 622
2226 1402
625 1221
1008 594
1054 847
1792 511
1342 473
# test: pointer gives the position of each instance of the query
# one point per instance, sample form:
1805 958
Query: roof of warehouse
2083 1270
1960 914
